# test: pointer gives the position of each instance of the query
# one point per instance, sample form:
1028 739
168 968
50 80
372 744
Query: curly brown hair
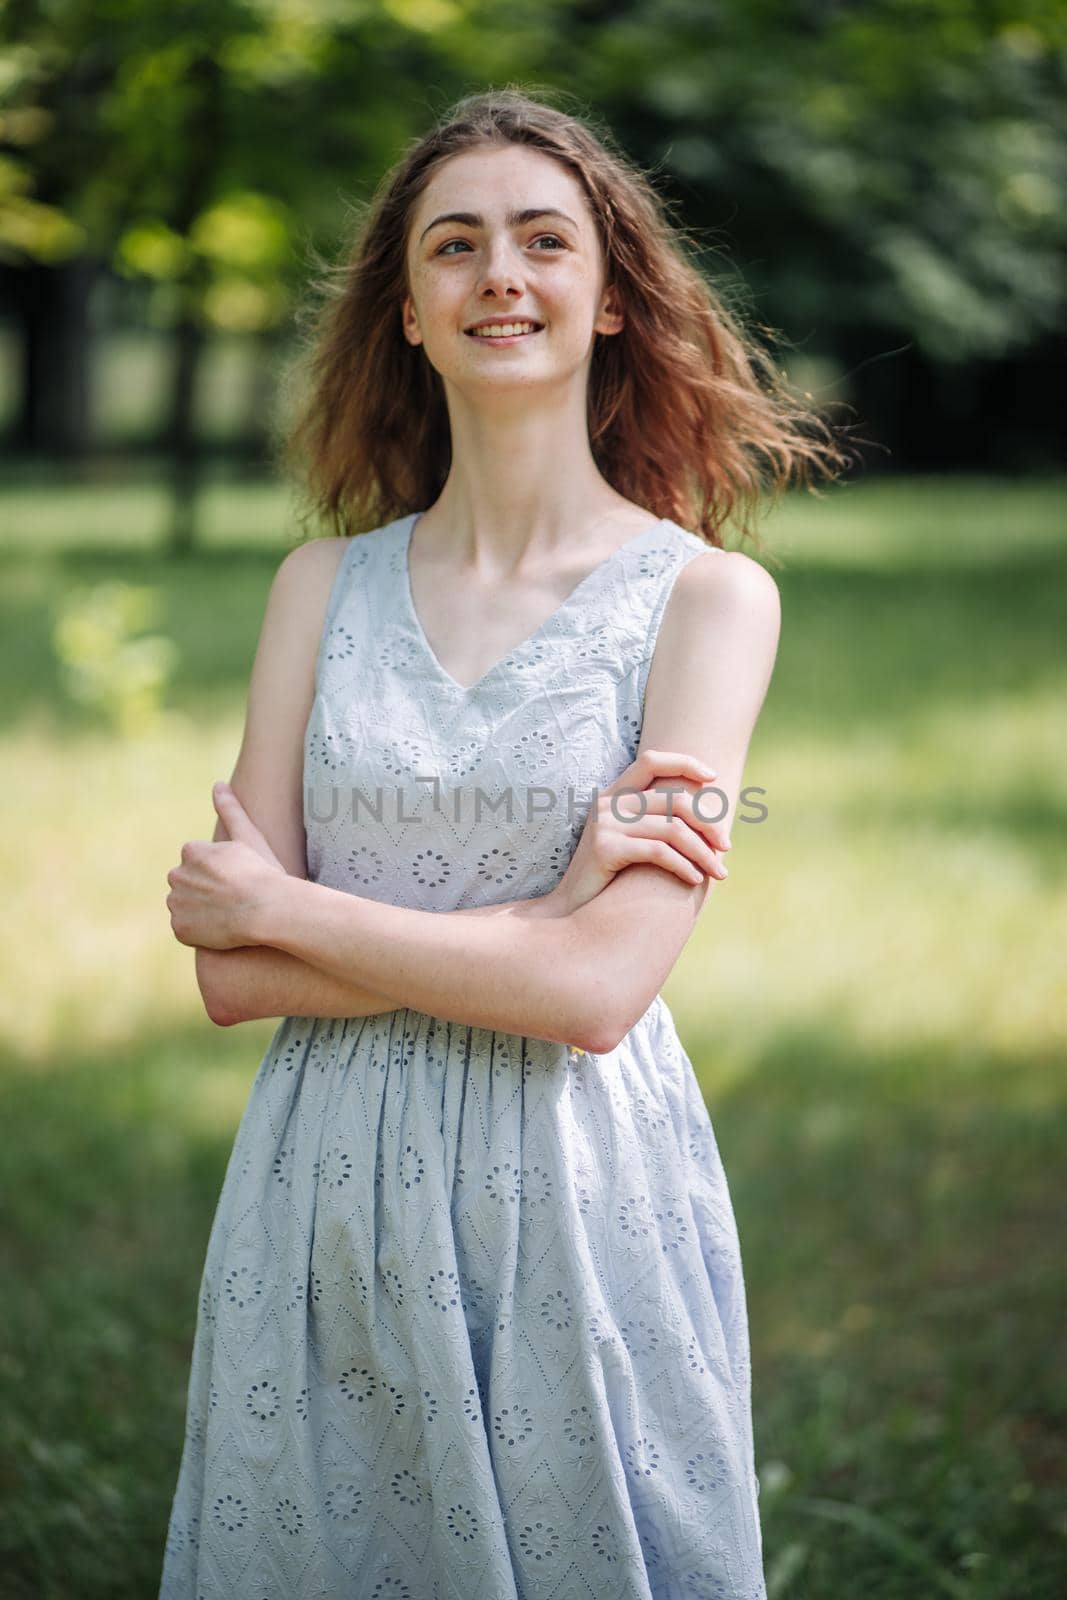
688 415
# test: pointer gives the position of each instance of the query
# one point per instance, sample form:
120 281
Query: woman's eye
446 249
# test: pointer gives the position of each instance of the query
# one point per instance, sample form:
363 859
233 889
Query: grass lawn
874 1005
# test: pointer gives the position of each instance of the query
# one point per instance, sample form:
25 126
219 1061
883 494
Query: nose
502 274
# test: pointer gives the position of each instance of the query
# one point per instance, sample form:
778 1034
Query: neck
522 478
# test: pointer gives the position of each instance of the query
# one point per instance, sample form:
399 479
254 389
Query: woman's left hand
220 885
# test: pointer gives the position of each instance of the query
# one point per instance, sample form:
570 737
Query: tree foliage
901 163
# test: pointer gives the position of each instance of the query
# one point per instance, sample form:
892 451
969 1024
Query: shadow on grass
111 1195
901 1221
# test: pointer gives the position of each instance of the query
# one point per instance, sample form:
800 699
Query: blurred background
875 1004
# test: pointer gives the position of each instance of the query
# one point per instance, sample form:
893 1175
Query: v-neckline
522 644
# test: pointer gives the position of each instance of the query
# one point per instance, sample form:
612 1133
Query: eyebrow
514 219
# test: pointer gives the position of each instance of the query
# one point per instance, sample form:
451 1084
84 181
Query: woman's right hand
618 836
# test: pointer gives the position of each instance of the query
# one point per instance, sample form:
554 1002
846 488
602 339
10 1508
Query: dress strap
353 557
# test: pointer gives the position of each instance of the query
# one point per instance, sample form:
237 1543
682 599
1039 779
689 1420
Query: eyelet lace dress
472 1321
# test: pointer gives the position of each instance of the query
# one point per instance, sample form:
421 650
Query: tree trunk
203 142
54 401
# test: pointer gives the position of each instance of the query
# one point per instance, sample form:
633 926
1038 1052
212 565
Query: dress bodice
440 797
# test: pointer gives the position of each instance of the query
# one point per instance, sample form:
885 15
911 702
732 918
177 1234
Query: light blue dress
472 1322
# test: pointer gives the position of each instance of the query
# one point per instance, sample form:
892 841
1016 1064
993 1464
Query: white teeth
502 330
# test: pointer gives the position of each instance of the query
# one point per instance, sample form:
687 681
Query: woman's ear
409 321
611 318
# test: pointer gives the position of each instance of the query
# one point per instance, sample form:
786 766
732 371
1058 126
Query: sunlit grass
89 833
908 891
873 1002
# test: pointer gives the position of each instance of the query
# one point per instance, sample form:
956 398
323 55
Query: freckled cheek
442 291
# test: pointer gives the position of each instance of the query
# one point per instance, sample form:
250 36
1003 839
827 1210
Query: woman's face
472 255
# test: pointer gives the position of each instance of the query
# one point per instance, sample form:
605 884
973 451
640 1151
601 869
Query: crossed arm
263 980
485 967
581 976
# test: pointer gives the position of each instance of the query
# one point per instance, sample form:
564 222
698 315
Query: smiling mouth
502 338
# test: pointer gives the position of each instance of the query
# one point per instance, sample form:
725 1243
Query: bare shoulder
722 602
312 565
725 580
300 589
295 612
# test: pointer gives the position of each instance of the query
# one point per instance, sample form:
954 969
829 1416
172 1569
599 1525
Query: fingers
656 802
652 764
238 823
657 853
671 763
678 840
223 795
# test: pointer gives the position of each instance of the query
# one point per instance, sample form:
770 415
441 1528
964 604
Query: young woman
472 1319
